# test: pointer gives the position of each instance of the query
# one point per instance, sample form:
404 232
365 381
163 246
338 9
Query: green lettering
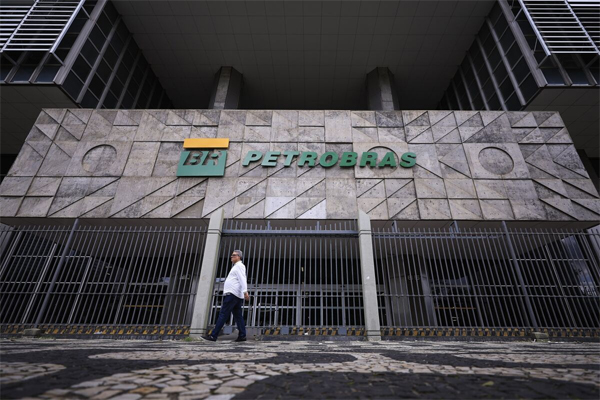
328 164
289 157
307 156
408 160
270 159
348 159
388 160
368 157
251 157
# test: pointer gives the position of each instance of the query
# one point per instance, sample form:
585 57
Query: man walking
234 294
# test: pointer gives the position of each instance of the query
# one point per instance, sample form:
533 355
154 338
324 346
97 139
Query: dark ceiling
304 54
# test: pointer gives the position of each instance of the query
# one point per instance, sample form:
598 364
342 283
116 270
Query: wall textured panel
470 165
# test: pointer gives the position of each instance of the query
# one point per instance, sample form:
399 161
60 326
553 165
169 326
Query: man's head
236 256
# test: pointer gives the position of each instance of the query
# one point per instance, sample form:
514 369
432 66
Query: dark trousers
231 304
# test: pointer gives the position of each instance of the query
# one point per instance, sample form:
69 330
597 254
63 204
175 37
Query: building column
381 90
226 90
369 283
204 289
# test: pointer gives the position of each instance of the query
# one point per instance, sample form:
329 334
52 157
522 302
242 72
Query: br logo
203 157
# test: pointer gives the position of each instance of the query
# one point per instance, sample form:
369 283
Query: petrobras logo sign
203 157
208 157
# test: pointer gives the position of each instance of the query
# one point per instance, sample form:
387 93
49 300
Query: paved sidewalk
104 369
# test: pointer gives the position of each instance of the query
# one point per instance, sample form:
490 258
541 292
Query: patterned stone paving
103 369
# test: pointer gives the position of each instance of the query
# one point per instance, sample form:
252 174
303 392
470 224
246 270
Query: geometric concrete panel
430 188
460 189
15 186
526 209
141 159
496 161
167 159
434 209
311 118
465 209
338 126
99 159
497 210
470 165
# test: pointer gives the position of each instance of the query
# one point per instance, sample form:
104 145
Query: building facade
357 218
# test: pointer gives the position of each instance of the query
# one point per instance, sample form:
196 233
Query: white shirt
236 280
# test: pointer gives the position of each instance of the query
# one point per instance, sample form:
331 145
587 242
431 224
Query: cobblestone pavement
110 369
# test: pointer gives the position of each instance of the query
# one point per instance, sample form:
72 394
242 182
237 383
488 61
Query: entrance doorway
297 277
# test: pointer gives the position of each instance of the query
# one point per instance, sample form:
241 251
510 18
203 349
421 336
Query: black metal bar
63 258
517 268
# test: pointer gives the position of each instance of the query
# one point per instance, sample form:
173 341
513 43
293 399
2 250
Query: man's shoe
240 339
209 338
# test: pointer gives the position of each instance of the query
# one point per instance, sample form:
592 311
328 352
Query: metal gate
510 282
99 279
298 278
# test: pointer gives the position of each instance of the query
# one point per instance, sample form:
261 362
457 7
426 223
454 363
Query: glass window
111 12
128 60
104 71
484 33
477 57
138 75
553 76
104 24
117 44
110 56
122 32
89 100
24 73
500 73
494 57
484 75
529 88
81 68
506 88
521 69
513 103
577 76
72 85
110 101
48 73
513 55
494 103
478 102
127 101
89 52
122 73
155 102
133 49
501 25
507 40
488 89
97 37
468 71
452 99
89 6
496 13
595 70
116 86
97 86
5 67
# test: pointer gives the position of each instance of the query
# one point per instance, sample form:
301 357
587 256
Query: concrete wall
470 166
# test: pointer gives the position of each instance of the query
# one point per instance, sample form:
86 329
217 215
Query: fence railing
300 276
98 276
112 279
488 278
